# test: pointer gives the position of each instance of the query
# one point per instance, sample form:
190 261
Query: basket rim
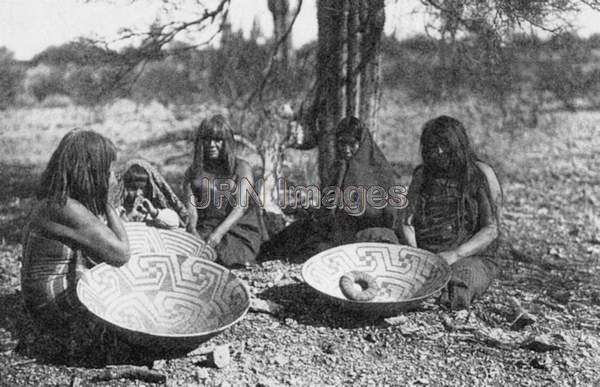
174 335
442 262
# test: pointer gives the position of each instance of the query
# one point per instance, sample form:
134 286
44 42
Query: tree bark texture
348 71
280 9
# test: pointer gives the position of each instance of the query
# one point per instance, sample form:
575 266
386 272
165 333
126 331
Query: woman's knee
377 234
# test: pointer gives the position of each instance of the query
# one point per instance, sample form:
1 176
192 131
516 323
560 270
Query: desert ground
550 260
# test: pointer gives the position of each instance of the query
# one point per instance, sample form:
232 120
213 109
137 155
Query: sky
27 27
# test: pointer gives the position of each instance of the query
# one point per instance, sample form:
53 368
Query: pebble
265 306
370 337
76 381
396 320
220 356
280 360
159 364
201 374
266 382
540 343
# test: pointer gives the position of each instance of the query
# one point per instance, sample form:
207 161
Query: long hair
350 127
463 161
79 169
215 127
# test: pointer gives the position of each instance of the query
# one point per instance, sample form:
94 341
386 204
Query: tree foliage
11 75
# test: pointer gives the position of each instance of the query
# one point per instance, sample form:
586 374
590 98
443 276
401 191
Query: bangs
350 127
215 128
135 174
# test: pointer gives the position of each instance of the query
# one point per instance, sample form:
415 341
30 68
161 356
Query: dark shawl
367 168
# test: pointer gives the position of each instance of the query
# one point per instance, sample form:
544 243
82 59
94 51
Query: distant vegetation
523 76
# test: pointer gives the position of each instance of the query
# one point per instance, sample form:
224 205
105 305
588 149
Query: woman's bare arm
190 203
490 230
406 214
104 242
244 173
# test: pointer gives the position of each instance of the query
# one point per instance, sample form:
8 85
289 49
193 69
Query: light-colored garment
166 218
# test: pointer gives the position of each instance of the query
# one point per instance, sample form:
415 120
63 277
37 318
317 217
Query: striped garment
49 276
439 228
437 223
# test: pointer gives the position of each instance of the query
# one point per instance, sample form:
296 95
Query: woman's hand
192 230
114 191
450 256
215 238
149 208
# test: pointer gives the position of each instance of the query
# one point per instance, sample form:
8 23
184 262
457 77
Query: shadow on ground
83 343
308 307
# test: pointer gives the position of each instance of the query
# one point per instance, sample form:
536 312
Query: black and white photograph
299 193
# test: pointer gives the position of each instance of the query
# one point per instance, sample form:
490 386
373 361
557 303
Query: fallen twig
523 317
541 343
130 372
551 305
451 326
24 362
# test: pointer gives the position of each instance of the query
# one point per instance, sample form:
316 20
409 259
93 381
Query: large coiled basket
170 297
405 275
167 303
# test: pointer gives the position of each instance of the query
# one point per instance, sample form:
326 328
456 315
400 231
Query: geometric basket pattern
146 239
165 300
405 275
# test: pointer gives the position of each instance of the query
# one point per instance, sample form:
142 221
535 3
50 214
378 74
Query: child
147 197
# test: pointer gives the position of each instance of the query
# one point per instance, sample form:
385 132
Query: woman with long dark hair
228 224
72 227
454 209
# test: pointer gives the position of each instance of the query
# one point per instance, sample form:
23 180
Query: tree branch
270 67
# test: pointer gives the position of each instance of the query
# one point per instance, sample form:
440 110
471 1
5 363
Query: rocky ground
550 260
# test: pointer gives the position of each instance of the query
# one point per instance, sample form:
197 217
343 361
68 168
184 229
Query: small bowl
167 303
405 275
146 239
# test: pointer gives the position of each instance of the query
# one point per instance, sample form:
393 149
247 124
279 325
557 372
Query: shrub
42 81
10 78
166 81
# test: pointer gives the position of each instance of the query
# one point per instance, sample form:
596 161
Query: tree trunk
352 56
372 21
348 68
280 9
329 99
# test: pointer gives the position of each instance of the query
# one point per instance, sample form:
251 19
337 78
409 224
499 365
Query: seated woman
230 226
72 227
454 209
147 197
360 166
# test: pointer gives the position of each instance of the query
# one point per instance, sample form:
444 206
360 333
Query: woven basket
145 239
168 303
405 275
